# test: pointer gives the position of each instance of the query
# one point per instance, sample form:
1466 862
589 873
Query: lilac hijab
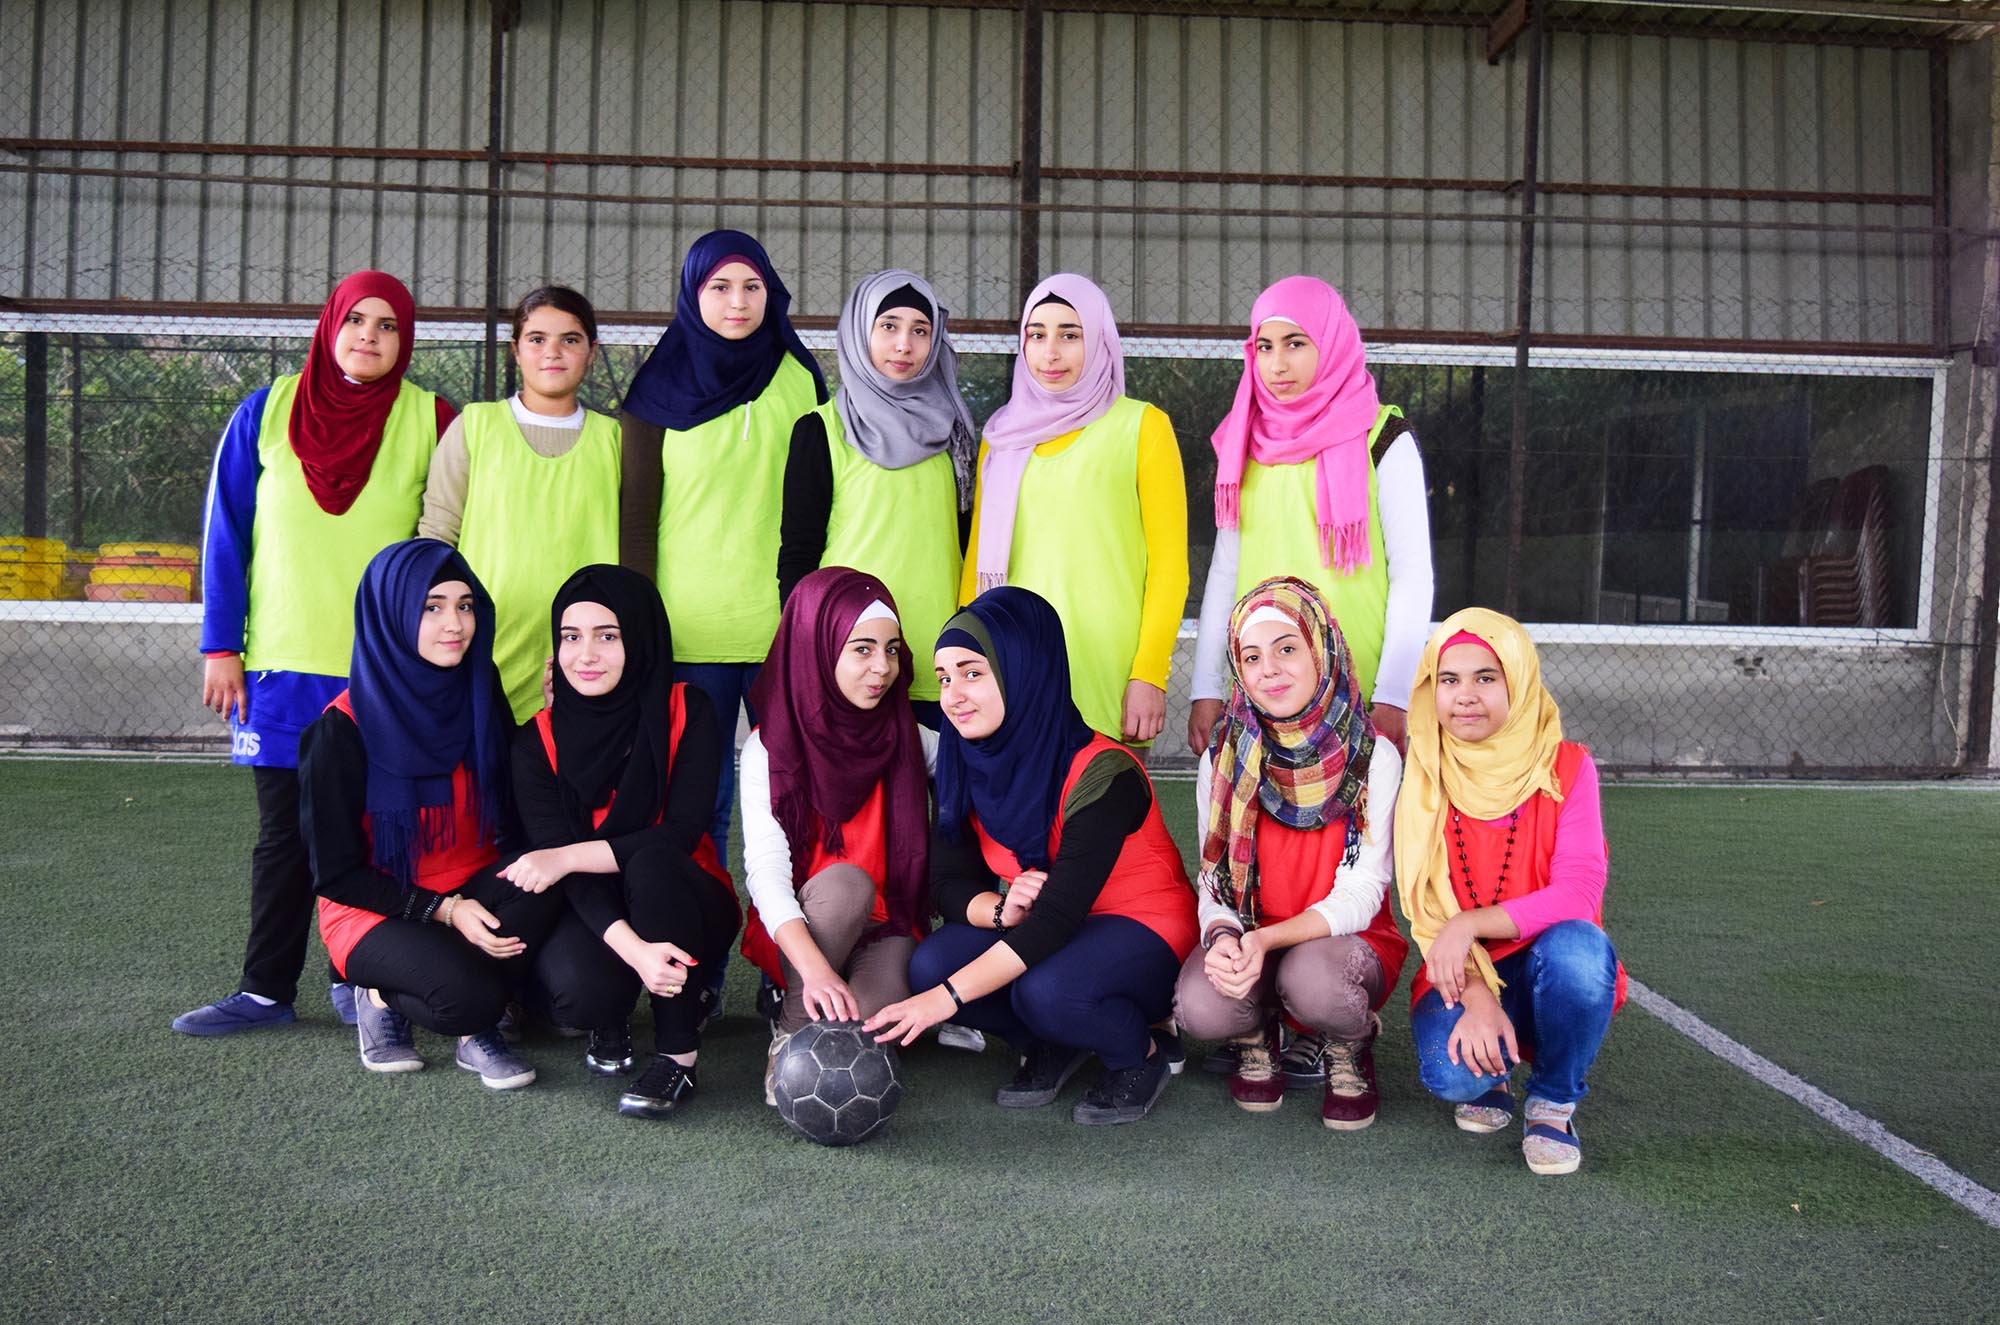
1033 414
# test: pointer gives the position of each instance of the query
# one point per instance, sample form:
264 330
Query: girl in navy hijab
404 808
1067 908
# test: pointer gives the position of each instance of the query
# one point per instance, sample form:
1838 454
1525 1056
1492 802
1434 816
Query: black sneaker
609 1053
1221 1060
1124 1096
1040 1077
664 1087
1173 1046
1304 1061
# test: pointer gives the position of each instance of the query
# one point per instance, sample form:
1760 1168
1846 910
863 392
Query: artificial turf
266 1177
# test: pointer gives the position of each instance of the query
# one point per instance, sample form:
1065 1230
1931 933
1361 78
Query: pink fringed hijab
1329 421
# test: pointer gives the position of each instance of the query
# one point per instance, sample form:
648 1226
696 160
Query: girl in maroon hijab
836 810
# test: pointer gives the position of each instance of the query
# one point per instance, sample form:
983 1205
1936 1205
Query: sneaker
1124 1096
779 1039
1040 1078
954 1036
341 995
1304 1061
513 1024
1167 1039
662 1088
1257 1085
1550 1143
1491 1112
488 1055
238 1012
609 1053
386 1042
1351 1097
1221 1060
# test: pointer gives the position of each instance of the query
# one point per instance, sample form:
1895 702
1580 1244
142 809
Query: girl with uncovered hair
616 785
404 803
1081 500
1500 865
836 807
527 488
877 478
1295 862
1068 911
314 475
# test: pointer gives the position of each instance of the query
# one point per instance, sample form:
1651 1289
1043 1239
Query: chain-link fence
1689 309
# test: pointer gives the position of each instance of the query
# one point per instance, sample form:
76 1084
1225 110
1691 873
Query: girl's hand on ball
903 1022
827 998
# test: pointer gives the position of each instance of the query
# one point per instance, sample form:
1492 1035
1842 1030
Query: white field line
1920 1164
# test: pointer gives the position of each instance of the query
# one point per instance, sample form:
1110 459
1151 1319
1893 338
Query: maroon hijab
336 425
827 756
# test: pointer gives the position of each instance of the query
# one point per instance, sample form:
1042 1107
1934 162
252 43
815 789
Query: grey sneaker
953 1036
386 1042
779 1039
497 1066
1040 1078
1124 1096
1304 1061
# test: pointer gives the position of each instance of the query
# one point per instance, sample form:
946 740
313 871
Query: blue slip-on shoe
238 1012
341 995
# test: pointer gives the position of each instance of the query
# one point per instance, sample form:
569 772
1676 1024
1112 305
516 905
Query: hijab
1033 414
827 756
1329 422
899 424
1013 779
617 741
1483 779
694 373
1307 771
419 722
336 424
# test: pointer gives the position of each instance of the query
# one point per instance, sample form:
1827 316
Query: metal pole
1031 146
1524 296
500 12
75 440
35 478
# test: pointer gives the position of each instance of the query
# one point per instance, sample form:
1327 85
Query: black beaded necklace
1465 866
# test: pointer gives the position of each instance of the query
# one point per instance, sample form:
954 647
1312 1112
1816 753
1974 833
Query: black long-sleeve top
599 899
1093 835
333 796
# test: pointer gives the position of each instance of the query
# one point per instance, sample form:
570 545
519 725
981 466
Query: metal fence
1685 305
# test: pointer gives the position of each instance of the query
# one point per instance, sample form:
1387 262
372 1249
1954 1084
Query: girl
878 477
1081 500
403 798
616 784
836 808
1316 477
707 425
1068 909
1294 881
527 488
1500 863
315 473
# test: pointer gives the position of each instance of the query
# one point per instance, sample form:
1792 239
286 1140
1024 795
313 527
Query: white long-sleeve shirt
767 853
1406 538
1354 894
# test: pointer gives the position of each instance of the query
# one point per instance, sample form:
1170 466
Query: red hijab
336 425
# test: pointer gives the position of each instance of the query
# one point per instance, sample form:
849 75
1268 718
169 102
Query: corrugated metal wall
626 122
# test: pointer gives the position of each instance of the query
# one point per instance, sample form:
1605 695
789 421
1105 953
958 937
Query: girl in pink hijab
1081 499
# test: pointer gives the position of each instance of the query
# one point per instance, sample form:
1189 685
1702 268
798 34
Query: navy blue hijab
695 374
420 721
1014 778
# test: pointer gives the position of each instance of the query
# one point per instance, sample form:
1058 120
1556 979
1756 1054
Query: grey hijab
899 424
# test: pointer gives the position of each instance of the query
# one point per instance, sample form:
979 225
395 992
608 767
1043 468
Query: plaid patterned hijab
1308 771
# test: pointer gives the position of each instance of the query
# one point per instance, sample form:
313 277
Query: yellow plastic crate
31 567
164 577
149 552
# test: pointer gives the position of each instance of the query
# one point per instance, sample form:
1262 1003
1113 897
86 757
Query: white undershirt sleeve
1211 637
1406 537
767 854
1351 904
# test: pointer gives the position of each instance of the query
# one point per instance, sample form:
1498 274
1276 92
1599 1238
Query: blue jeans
1558 994
1101 991
727 685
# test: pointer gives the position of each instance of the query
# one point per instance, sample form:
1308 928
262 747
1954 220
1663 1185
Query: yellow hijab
1484 779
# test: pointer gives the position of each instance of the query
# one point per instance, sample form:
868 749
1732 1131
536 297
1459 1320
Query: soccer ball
835 1085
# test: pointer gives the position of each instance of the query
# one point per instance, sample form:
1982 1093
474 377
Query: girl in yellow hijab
1500 867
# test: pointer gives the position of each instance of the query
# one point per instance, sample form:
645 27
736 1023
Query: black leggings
430 974
281 891
670 899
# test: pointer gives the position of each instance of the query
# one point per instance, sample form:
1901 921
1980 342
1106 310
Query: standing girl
1068 911
836 807
707 425
1315 477
315 474
878 477
1081 500
1295 862
403 799
527 488
616 786
1500 864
